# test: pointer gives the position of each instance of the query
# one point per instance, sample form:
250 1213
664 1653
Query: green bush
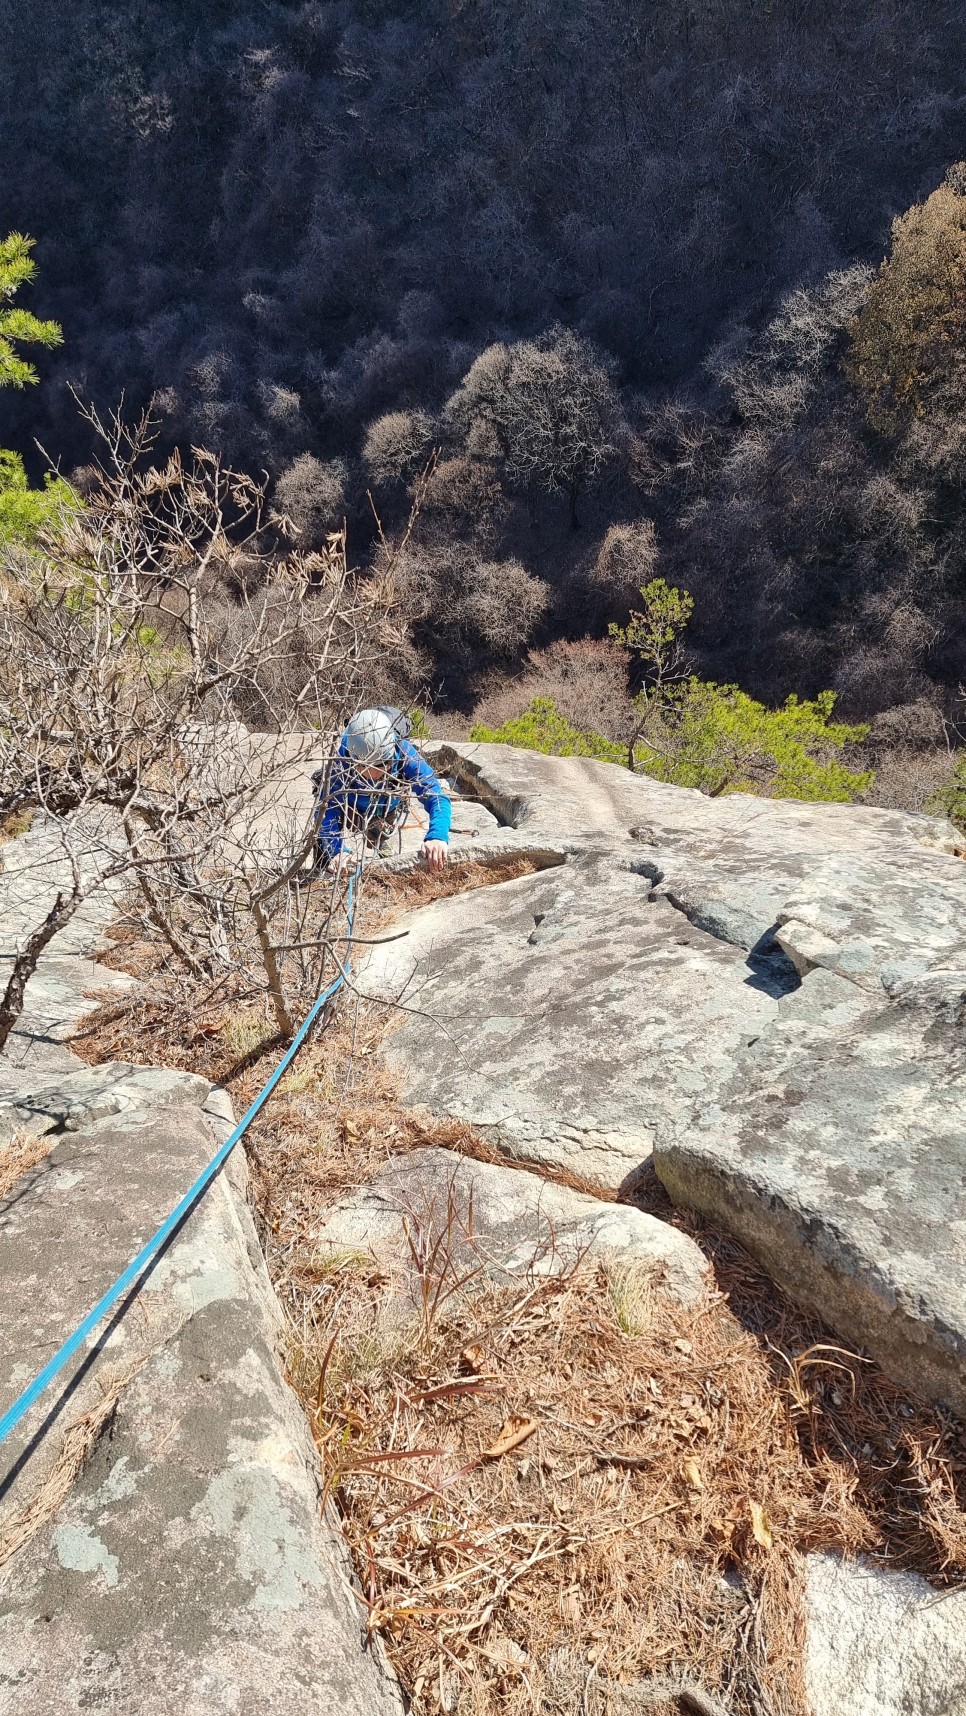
25 511
19 327
543 728
419 726
718 739
715 738
950 799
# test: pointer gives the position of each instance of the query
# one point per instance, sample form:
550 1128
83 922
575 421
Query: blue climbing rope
23 1403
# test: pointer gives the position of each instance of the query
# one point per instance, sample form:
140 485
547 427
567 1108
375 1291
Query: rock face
578 1013
509 1223
880 1642
763 998
187 1566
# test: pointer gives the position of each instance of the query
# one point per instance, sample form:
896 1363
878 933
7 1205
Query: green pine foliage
653 629
950 799
543 728
19 327
419 726
718 739
24 511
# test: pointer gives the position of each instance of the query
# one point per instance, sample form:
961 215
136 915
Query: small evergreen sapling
23 511
17 326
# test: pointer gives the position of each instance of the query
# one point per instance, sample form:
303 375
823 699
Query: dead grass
648 1523
644 1535
19 1528
19 1154
403 890
649 1526
16 822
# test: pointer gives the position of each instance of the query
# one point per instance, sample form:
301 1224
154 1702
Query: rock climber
368 788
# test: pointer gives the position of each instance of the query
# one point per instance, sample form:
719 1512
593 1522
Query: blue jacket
348 792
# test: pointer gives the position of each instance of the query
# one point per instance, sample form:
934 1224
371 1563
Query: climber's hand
333 866
436 854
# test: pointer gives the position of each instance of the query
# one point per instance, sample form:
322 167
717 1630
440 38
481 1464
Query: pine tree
23 511
19 327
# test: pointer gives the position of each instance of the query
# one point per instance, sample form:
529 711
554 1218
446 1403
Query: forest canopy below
671 291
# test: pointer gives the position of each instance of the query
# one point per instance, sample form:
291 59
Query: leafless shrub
397 446
468 610
313 496
906 777
465 494
586 680
772 379
676 437
626 560
122 693
874 678
917 726
909 747
545 410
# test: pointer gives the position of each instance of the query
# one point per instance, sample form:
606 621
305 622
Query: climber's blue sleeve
331 815
417 773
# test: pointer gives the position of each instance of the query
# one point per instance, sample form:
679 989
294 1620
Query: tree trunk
282 1016
156 913
25 963
574 492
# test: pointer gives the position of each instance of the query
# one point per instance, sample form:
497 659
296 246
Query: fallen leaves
760 1527
515 1431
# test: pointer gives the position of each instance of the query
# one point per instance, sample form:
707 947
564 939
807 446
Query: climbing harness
150 1251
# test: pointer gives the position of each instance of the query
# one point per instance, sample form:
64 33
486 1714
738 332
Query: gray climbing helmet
371 737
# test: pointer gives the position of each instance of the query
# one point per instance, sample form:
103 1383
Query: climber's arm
434 800
330 816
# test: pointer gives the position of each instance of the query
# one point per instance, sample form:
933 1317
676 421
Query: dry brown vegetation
568 1495
20 1153
17 822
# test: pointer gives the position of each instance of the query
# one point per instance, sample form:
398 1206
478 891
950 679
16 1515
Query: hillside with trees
613 294
586 377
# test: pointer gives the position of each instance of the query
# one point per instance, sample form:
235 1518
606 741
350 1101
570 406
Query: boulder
187 1565
67 1101
881 1643
837 1155
566 1015
509 1223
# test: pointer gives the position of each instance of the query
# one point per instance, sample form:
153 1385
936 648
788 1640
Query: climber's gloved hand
436 853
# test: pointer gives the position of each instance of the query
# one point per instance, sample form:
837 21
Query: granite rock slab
765 999
881 1643
511 1224
190 1567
